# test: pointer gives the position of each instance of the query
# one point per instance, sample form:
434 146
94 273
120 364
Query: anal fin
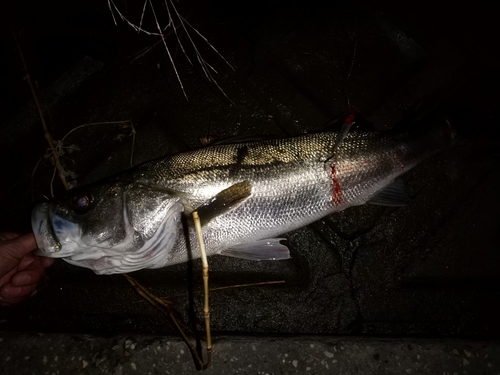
268 249
393 195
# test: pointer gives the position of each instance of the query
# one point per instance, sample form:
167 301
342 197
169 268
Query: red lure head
349 119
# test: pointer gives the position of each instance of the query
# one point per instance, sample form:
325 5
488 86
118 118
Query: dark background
431 268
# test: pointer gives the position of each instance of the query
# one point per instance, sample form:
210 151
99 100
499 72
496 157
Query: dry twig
206 307
226 287
59 149
167 310
185 26
47 135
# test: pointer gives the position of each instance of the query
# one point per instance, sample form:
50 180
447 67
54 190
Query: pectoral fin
270 249
224 201
393 195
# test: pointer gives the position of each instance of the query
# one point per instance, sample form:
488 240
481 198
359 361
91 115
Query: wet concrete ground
430 269
151 354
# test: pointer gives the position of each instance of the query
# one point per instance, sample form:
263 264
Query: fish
247 195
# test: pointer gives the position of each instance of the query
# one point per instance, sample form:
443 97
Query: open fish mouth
54 235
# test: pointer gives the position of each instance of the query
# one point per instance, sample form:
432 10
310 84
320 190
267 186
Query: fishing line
349 109
353 38
349 119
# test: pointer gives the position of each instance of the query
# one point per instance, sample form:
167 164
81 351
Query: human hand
20 271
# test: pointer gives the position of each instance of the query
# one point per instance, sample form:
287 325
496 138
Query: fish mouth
51 233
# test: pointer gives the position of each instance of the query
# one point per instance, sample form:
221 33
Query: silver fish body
135 220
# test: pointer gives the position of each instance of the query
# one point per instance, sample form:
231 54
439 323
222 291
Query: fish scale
292 184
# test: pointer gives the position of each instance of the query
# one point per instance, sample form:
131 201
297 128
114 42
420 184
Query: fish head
110 227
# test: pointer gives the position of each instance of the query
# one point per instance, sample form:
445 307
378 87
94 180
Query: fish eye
81 202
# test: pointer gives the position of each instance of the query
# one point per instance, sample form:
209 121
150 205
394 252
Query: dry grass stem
167 310
175 24
220 288
132 131
60 146
228 287
206 307
47 135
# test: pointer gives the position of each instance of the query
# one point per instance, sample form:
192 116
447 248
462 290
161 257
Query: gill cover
110 228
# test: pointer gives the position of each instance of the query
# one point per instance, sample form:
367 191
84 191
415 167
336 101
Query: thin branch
167 310
221 288
98 123
47 135
133 146
206 307
247 285
171 22
168 51
172 11
142 14
52 183
142 52
61 142
134 26
209 44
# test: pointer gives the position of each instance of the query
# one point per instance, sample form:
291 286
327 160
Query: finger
27 261
46 262
12 251
9 291
5 236
28 272
20 246
28 277
8 267
6 278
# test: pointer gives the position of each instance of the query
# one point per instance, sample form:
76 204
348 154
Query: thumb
11 251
